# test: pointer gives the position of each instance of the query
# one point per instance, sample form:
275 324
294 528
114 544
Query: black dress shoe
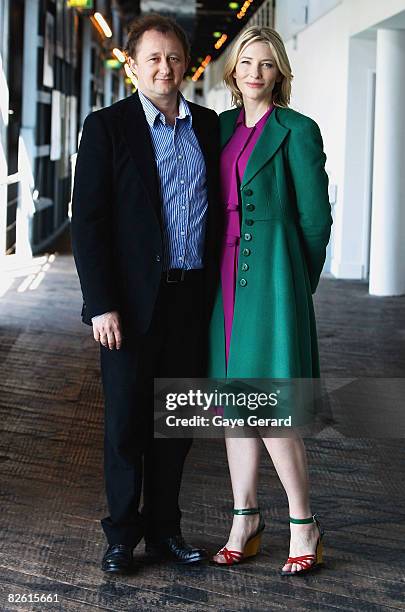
175 548
117 559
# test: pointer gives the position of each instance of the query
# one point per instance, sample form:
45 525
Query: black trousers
173 347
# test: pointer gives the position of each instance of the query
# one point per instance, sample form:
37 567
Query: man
145 234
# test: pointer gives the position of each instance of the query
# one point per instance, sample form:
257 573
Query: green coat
274 332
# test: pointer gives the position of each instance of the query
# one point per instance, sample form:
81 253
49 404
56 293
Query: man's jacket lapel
136 134
201 132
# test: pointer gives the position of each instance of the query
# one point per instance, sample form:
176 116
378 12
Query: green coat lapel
269 142
228 122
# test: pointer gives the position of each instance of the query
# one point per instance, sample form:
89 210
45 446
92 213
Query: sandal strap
230 556
311 519
301 558
305 560
246 511
304 521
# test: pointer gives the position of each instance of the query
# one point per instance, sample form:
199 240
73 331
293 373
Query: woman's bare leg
243 460
290 460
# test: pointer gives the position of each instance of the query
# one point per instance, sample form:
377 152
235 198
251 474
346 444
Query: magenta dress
234 159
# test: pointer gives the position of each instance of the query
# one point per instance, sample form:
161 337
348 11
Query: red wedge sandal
252 546
311 561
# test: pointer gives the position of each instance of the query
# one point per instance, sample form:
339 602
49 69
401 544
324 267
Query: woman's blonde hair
282 89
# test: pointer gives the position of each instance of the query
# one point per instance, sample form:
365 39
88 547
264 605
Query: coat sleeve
307 165
92 219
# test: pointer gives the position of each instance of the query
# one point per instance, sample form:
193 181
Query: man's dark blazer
116 215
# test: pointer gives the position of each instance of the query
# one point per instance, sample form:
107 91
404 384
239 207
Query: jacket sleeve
307 165
92 240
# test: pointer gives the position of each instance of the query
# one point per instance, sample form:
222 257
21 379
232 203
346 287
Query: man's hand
107 329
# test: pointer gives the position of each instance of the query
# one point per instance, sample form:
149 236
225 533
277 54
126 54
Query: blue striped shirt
183 186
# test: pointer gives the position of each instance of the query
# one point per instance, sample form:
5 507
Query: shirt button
245 267
248 192
181 258
180 157
243 282
181 182
182 233
247 236
157 258
246 252
249 221
250 207
183 208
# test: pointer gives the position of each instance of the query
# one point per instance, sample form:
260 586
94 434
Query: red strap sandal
310 561
251 548
231 556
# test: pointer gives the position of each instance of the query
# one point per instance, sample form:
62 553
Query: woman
275 192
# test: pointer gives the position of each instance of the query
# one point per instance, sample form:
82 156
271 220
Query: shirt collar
152 113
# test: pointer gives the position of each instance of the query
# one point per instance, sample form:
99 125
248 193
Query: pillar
85 89
108 84
27 140
387 248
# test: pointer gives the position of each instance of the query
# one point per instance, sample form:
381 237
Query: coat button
243 282
248 192
245 267
157 258
249 221
246 252
247 236
250 207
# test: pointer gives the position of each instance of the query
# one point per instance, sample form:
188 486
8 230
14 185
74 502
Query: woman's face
256 72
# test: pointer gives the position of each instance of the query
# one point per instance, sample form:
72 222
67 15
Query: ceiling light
119 55
103 25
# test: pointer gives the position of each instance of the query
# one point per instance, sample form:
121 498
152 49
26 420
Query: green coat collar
269 142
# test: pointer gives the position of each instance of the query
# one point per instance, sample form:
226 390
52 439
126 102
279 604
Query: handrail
11 179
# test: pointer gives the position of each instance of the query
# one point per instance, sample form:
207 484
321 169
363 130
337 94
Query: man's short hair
153 21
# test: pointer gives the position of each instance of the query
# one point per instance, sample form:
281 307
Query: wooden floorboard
52 480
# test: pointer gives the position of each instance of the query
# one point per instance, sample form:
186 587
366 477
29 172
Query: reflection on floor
51 465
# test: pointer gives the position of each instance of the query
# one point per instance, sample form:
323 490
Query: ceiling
200 18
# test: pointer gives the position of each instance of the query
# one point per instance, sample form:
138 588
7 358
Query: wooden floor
52 484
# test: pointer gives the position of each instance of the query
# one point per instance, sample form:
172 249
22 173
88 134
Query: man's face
159 64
